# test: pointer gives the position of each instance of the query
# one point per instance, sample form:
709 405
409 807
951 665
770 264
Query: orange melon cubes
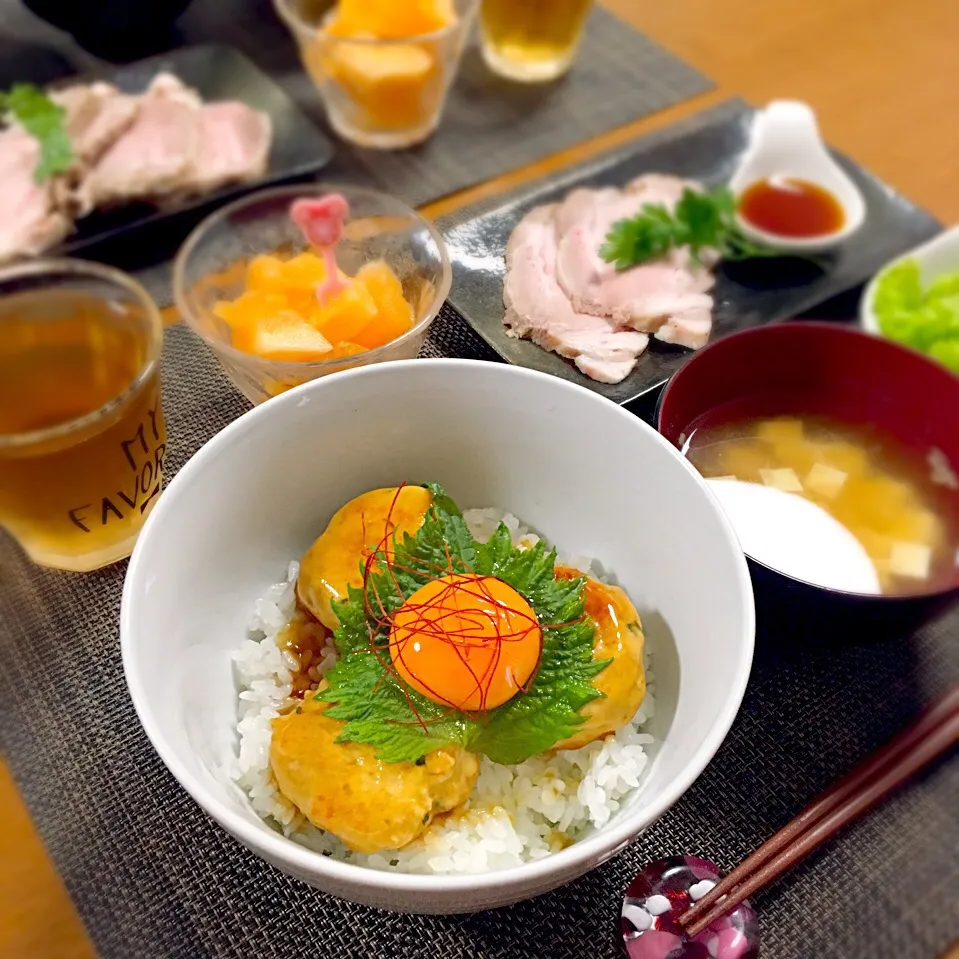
390 19
279 317
395 85
393 310
284 336
346 315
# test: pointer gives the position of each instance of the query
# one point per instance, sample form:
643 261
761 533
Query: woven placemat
492 126
489 127
152 876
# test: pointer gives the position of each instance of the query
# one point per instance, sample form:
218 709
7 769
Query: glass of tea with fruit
82 434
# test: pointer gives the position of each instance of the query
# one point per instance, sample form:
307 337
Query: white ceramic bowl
935 257
576 467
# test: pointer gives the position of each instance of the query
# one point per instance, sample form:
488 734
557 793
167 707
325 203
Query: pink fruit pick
321 223
321 220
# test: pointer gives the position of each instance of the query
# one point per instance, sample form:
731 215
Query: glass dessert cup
381 93
211 266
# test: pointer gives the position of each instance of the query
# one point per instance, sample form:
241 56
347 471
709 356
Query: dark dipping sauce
786 206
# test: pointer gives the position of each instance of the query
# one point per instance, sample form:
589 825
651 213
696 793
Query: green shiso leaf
379 709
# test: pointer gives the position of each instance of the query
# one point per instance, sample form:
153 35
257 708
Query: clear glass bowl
211 266
385 94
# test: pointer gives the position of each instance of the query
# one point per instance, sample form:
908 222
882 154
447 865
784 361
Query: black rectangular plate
218 73
706 148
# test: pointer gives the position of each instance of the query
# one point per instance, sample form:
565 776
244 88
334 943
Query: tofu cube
912 560
784 479
825 480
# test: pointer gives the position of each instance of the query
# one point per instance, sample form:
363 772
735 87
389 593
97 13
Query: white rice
515 814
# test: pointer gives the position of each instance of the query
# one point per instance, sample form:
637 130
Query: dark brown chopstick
936 730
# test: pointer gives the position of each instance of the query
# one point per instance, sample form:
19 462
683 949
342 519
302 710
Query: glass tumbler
531 40
82 434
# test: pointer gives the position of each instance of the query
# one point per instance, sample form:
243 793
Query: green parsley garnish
43 120
702 221
379 709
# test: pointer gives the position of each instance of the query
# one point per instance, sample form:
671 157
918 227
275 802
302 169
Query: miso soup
898 503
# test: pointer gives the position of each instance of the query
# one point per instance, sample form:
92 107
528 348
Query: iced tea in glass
82 434
531 40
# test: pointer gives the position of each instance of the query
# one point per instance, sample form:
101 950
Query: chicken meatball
343 788
618 637
334 561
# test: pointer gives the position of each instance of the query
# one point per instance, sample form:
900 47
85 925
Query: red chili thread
461 639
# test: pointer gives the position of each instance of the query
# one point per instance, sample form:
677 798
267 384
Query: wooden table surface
883 78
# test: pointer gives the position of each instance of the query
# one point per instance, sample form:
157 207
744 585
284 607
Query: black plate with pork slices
217 73
706 149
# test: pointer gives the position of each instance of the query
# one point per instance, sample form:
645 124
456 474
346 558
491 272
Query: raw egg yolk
470 642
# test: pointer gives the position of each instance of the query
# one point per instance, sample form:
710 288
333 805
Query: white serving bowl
582 471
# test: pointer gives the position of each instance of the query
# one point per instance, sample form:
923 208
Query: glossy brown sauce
791 207
308 641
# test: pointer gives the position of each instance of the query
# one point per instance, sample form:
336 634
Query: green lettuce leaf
899 288
899 325
947 353
897 299
927 320
943 286
937 320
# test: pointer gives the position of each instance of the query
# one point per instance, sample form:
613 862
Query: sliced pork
561 294
537 309
30 222
155 155
234 147
97 114
177 146
690 329
162 143
168 86
660 188
644 297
